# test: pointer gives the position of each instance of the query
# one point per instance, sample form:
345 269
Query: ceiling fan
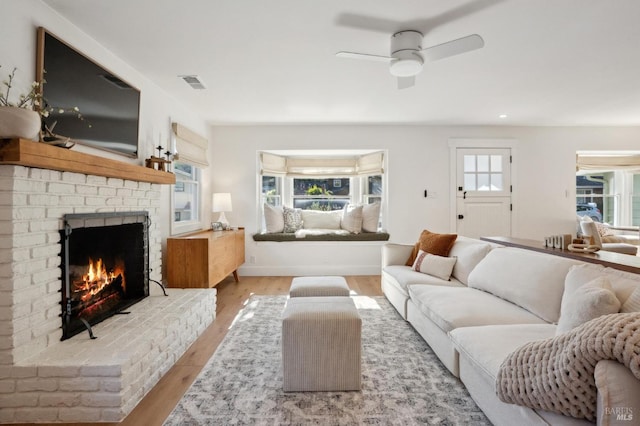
407 55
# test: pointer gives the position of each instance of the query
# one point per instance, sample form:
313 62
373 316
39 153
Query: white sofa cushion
618 393
584 302
534 281
453 307
399 276
469 253
316 219
633 302
488 346
437 266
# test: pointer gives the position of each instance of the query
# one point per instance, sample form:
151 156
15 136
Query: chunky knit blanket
556 374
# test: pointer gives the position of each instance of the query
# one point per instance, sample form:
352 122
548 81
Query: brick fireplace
44 379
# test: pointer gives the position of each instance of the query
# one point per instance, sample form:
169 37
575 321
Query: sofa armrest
618 398
395 254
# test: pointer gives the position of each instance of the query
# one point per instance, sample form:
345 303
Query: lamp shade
221 202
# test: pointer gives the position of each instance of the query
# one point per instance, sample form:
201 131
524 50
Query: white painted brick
60 188
107 191
30 186
19 400
94 201
7 386
29 240
46 276
96 180
101 399
44 225
123 192
110 385
79 384
58 371
56 212
101 370
74 177
17 171
113 415
29 213
43 200
116 201
115 182
86 190
54 262
46 251
71 200
131 184
43 174
53 237
31 385
78 414
36 415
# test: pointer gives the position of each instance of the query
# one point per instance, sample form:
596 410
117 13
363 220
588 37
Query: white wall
157 108
544 201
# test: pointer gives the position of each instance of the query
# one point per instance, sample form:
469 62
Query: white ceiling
566 62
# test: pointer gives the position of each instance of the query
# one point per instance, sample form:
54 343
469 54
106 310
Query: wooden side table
203 259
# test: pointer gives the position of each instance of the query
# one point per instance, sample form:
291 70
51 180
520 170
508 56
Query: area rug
403 382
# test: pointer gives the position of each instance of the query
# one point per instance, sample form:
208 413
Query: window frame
192 225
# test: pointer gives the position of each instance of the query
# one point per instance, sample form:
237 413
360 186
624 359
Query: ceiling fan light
406 67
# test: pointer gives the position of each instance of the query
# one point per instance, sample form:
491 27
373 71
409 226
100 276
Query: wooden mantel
22 152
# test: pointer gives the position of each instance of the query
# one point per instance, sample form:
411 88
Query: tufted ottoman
318 286
321 344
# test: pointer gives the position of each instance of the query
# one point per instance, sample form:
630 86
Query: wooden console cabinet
203 259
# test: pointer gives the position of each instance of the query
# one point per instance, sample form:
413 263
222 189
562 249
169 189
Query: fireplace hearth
105 267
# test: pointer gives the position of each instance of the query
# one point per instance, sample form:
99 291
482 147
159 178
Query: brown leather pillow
438 244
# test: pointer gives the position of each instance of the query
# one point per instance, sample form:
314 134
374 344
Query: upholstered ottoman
321 344
319 286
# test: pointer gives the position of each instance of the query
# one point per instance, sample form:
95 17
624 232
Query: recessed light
503 116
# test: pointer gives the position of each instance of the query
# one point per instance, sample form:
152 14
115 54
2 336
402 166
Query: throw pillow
292 219
413 255
586 302
603 230
352 219
589 229
633 302
438 244
318 219
370 217
273 218
436 266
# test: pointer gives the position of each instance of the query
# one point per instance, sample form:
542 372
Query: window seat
282 236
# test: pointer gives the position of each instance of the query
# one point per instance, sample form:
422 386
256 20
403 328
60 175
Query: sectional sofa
497 300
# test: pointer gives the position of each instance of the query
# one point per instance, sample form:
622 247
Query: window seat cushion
282 236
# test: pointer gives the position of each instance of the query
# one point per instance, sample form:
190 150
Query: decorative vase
19 123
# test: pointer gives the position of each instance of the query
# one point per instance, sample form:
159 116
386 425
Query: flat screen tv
86 102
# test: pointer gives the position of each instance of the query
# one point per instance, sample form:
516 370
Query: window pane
270 190
321 187
469 182
483 163
469 163
496 163
483 182
186 193
496 181
375 184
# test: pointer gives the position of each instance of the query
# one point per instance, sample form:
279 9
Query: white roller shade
370 164
191 147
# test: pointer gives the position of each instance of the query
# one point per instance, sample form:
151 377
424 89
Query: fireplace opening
105 267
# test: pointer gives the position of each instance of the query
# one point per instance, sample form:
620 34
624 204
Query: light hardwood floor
158 403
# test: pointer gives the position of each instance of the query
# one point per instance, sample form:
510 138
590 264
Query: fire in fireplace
105 267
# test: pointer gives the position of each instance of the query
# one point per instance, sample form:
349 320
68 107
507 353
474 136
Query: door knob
460 216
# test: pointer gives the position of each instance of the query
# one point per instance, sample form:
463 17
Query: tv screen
86 103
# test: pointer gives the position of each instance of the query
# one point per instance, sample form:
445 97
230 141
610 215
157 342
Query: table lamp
221 203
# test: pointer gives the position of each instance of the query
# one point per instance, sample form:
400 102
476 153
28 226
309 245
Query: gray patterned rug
403 381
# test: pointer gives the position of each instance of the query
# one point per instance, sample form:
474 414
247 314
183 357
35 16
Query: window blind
191 147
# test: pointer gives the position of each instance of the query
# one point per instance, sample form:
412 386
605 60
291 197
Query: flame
97 278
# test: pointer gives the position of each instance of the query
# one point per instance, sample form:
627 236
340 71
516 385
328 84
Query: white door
483 192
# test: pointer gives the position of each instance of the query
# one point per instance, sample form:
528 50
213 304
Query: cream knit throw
556 374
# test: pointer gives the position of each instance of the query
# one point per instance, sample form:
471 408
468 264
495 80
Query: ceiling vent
193 81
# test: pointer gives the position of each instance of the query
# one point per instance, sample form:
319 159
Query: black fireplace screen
104 267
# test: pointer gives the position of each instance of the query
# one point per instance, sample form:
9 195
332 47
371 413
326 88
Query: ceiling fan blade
365 56
406 82
453 47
